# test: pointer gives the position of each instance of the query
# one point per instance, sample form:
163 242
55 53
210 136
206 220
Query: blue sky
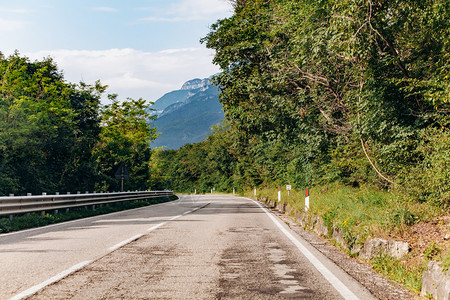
140 48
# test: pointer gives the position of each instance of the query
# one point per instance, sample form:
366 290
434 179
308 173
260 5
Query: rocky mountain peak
196 84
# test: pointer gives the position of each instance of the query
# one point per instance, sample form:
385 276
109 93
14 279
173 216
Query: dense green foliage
327 91
56 136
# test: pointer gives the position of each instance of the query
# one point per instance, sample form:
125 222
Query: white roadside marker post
234 191
254 191
279 193
307 200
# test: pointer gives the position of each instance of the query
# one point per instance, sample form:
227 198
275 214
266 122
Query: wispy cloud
105 9
14 10
191 10
10 25
133 73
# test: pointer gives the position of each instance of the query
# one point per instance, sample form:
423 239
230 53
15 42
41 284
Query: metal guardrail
27 204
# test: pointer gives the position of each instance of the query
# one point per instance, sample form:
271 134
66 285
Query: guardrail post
11 217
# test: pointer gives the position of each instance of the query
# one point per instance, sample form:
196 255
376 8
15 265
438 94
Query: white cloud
105 9
10 25
192 10
133 73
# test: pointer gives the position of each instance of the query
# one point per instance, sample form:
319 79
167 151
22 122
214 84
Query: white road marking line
123 243
337 284
52 280
156 226
174 218
79 266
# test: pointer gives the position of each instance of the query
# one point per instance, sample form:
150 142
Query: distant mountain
186 115
188 89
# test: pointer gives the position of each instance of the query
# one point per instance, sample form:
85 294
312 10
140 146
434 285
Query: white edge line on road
54 279
337 284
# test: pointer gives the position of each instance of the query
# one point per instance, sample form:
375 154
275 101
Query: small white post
307 200
211 191
254 191
195 192
234 191
279 193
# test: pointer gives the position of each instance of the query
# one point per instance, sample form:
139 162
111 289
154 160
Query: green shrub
429 179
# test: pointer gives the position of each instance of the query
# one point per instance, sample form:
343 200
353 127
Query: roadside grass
446 260
37 220
368 212
394 269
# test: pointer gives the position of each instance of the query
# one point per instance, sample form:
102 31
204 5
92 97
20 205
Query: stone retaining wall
436 282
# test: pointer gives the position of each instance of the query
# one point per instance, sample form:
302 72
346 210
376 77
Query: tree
125 138
36 125
359 80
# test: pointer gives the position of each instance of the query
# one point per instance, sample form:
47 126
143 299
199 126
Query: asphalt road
199 247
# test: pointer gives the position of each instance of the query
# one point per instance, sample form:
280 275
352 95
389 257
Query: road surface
198 247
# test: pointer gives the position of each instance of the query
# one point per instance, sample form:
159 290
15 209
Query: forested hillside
320 92
188 114
56 136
